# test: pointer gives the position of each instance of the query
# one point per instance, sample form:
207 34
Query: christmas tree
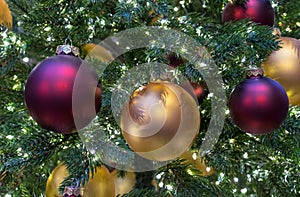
134 42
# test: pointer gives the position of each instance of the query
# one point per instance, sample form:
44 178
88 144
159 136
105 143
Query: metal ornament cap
67 50
76 191
254 72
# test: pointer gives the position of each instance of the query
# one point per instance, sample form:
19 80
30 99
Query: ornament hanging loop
68 39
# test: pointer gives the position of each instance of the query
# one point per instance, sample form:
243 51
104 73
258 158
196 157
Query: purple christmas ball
258 105
62 95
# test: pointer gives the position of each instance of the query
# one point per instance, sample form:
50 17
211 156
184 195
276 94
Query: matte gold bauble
100 185
123 185
284 67
5 15
198 163
160 121
55 179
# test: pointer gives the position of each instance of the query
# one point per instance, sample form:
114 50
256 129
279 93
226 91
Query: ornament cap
67 50
254 72
76 191
277 32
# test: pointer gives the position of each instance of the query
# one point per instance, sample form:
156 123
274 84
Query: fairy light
227 112
5 43
235 179
244 191
288 29
159 176
161 184
194 156
169 187
47 29
26 59
10 137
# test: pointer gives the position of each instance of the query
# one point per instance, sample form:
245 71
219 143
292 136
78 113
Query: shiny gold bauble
160 121
100 185
283 66
192 158
5 15
56 177
123 185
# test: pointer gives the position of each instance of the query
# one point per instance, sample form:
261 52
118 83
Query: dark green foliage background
28 153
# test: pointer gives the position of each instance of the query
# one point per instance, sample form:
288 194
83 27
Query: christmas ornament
5 15
155 17
52 98
56 177
191 158
283 66
160 121
198 90
100 185
175 61
72 192
259 11
259 104
96 51
123 185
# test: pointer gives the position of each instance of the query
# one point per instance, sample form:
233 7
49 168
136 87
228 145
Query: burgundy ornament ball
259 11
259 104
198 90
62 93
175 61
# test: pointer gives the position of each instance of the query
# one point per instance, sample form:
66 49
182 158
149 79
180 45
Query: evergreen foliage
245 165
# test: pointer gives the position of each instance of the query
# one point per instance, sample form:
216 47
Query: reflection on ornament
5 15
259 11
55 179
123 185
100 185
92 50
259 104
198 163
161 121
283 66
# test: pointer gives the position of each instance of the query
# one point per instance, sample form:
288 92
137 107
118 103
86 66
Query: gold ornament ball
198 163
56 177
5 15
98 52
283 66
160 121
123 185
100 185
